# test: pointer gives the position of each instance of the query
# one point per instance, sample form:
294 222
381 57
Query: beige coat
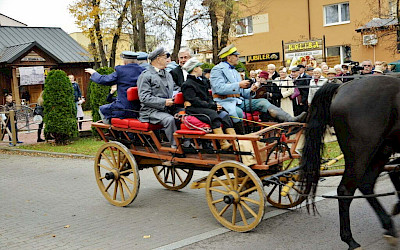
286 102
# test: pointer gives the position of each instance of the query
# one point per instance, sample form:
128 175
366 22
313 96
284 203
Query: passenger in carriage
199 102
125 76
156 88
233 93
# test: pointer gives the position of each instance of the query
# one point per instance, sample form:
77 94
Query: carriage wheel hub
232 197
113 175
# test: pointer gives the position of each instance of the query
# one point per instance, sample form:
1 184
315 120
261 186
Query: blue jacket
225 81
125 76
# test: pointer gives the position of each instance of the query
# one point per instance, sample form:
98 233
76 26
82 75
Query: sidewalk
30 137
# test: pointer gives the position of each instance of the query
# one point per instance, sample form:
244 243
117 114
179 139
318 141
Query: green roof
14 41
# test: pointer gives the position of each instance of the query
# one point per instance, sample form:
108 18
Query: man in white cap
124 76
156 94
231 92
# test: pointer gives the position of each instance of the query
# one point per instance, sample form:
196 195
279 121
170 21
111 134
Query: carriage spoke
217 201
248 191
115 191
242 214
243 183
123 163
179 176
224 209
248 208
173 173
105 167
221 182
113 157
290 198
166 174
127 179
109 185
121 190
161 170
119 159
279 193
236 175
234 214
273 189
251 200
219 190
126 187
107 159
228 177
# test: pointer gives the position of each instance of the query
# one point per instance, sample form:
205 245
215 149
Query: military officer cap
159 51
228 50
129 55
142 55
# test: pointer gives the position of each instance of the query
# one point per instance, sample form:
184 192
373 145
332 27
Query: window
344 52
337 14
244 26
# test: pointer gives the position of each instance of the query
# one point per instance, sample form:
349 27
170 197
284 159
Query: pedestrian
300 95
271 91
332 76
124 76
199 102
156 88
367 67
271 69
10 105
79 112
346 76
39 110
316 82
282 81
77 90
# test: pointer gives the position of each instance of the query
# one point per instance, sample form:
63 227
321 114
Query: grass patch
84 146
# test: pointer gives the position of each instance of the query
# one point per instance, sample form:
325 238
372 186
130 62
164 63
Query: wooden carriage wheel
173 178
117 173
286 193
235 196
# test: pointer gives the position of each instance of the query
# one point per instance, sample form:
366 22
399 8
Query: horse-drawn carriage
236 193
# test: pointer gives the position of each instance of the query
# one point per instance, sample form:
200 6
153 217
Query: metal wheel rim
114 157
246 185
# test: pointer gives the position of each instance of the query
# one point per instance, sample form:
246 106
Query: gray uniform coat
154 87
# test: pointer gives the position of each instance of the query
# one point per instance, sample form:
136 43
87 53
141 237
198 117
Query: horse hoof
396 209
390 239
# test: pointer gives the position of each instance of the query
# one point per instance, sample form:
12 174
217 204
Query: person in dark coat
125 76
177 73
300 104
199 102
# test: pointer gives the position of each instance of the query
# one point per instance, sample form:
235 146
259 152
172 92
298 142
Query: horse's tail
318 118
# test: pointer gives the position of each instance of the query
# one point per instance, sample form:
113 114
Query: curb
41 153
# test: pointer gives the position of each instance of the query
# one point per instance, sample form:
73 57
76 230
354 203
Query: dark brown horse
366 116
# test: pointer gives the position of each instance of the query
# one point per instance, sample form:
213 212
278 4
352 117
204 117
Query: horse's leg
346 187
395 178
367 188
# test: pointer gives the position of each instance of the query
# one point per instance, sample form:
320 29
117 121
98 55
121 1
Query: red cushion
132 94
190 132
252 117
143 126
178 99
120 123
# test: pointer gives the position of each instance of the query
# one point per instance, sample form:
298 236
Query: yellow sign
263 57
303 46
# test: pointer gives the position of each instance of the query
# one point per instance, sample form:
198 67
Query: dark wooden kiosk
43 48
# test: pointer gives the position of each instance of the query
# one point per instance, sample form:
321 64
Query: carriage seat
255 116
132 123
179 100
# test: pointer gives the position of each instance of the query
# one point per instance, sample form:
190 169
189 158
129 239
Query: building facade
311 31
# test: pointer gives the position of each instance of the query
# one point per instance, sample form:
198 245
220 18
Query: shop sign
303 46
263 57
33 57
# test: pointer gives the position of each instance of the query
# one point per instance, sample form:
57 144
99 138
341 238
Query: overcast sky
40 13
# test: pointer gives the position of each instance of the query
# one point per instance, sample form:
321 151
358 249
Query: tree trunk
96 5
178 30
118 33
135 32
398 26
226 24
141 25
92 48
214 31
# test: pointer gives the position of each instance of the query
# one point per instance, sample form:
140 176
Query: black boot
282 116
238 126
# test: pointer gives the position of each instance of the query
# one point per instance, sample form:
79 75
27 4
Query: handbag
295 94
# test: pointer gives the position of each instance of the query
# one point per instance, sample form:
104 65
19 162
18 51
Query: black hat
295 69
159 51
310 68
300 66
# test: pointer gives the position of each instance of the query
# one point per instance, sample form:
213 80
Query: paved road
48 203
